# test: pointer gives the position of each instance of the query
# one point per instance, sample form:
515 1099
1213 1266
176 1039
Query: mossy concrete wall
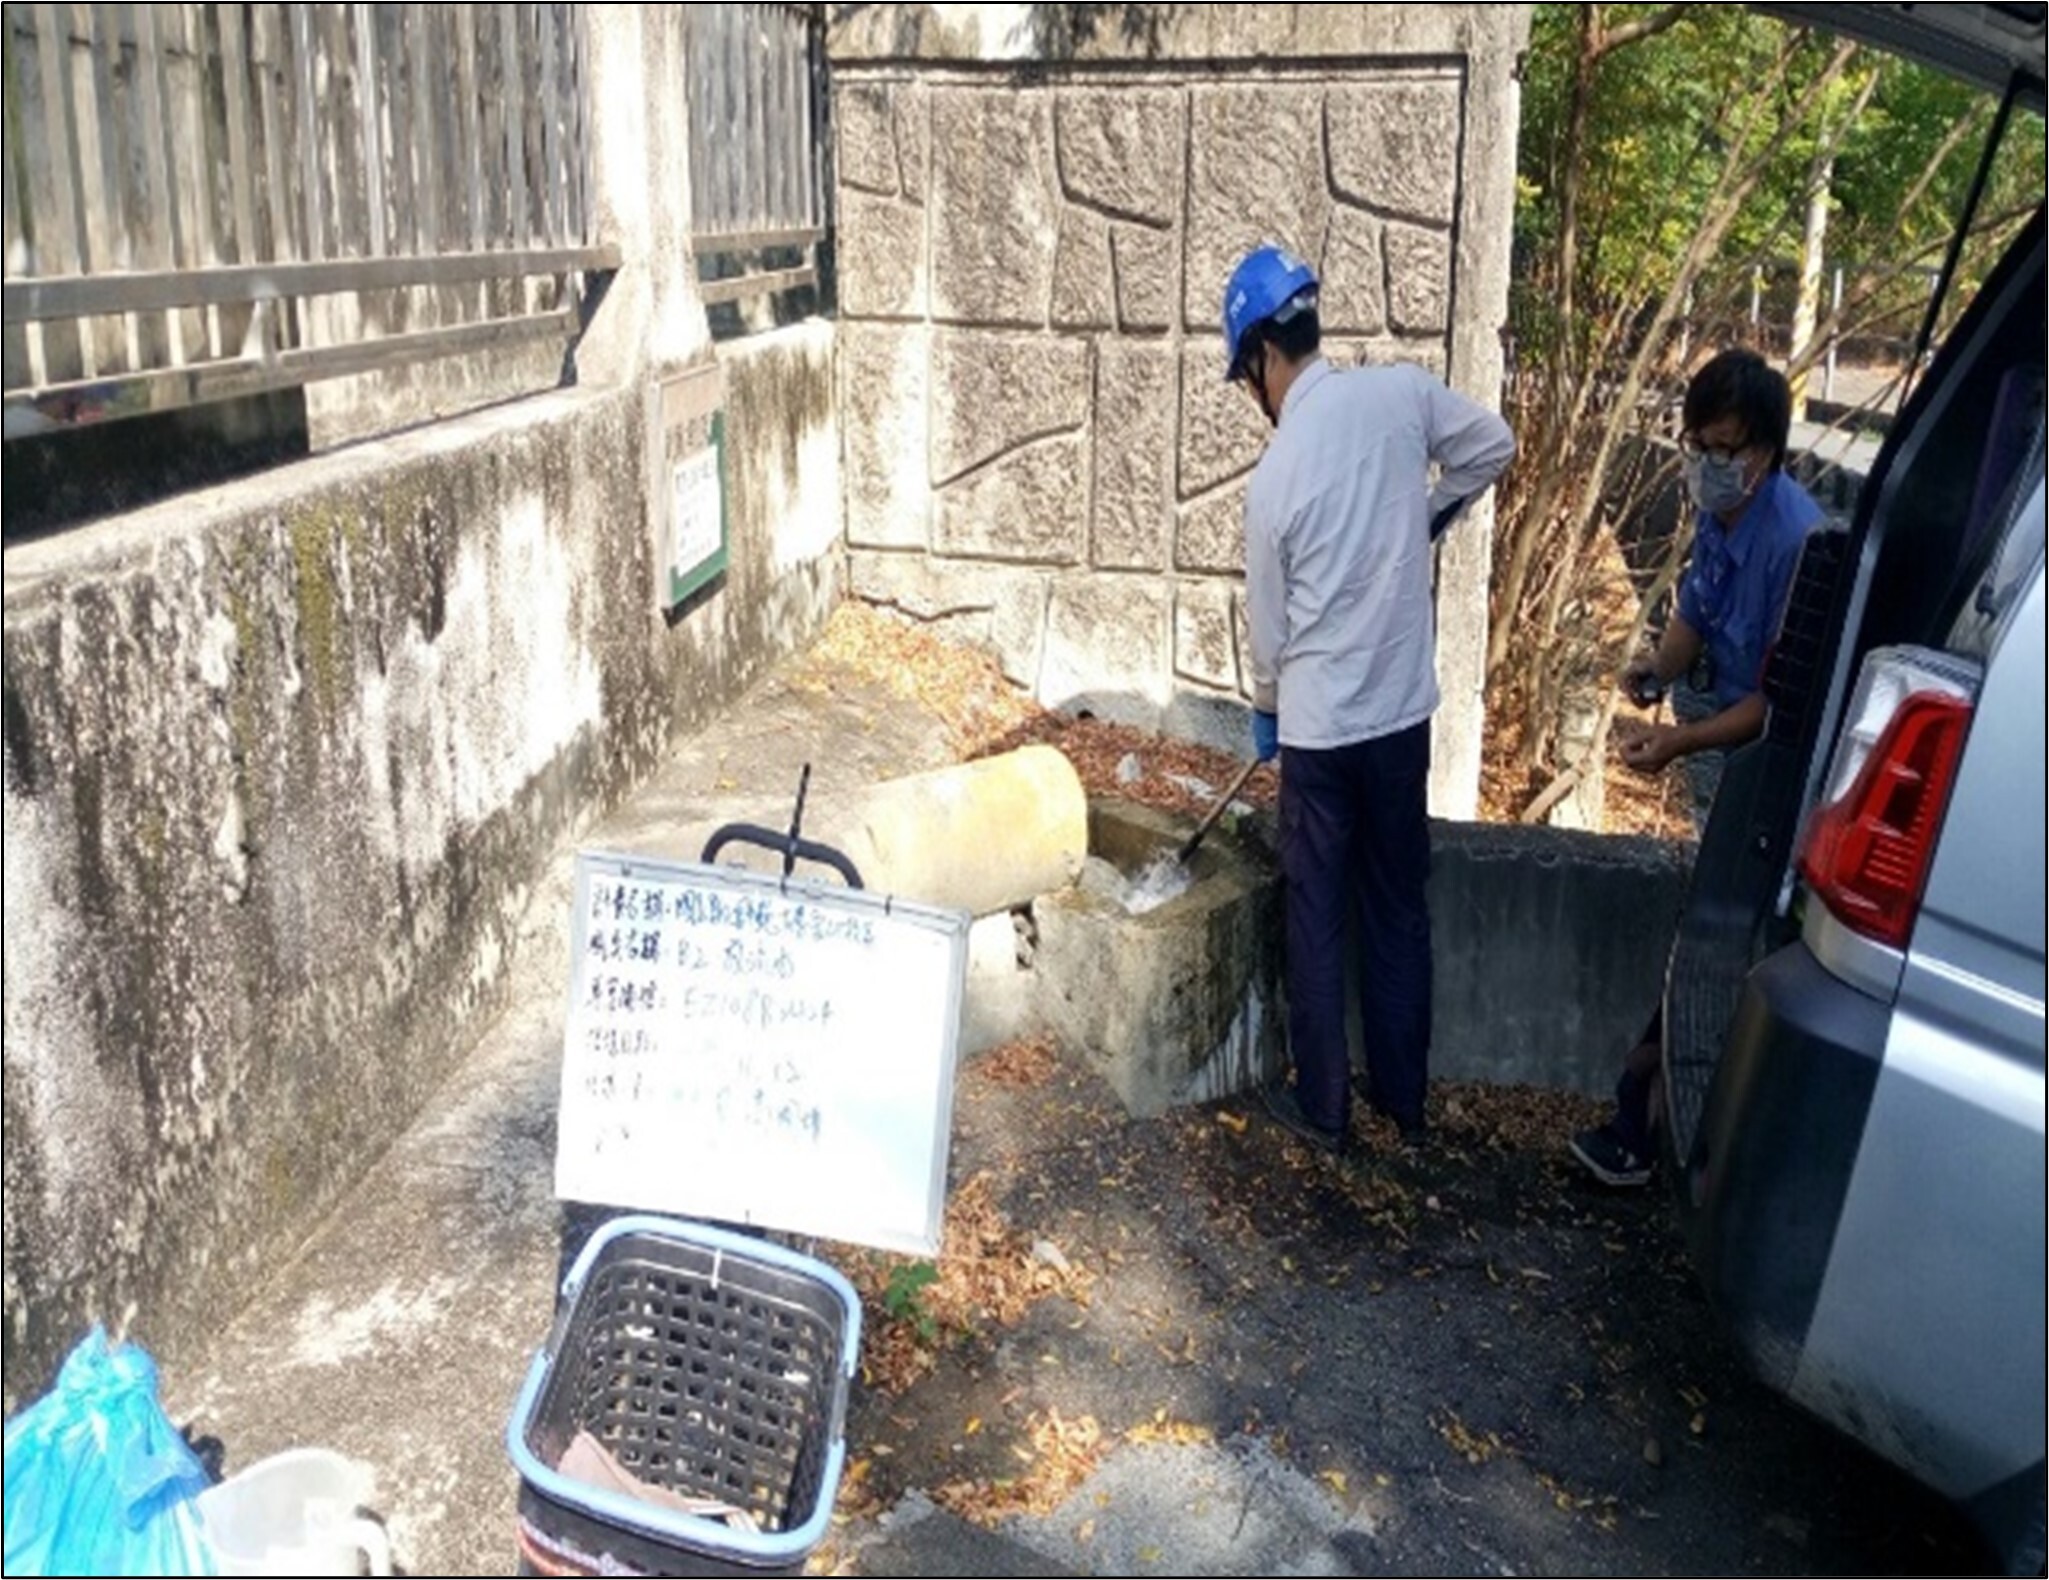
280 765
281 762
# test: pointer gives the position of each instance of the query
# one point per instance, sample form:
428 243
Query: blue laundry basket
705 1362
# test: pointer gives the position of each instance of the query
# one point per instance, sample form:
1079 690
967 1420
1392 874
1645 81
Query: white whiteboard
774 1054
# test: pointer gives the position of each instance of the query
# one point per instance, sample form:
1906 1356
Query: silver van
1854 1052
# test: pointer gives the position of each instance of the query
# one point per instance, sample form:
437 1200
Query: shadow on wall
65 476
1060 32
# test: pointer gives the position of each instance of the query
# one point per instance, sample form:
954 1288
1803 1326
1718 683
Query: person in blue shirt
1751 524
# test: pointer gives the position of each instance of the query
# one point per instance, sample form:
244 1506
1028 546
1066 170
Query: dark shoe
1602 1154
1287 1113
1414 1132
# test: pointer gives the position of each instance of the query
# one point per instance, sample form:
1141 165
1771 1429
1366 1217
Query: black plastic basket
704 1362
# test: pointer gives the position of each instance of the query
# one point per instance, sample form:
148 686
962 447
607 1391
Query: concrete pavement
1456 1360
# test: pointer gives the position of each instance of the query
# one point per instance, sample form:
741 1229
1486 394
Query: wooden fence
205 201
757 146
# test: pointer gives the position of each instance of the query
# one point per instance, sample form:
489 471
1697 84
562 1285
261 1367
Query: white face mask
1717 484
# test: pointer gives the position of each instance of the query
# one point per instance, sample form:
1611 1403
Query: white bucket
295 1514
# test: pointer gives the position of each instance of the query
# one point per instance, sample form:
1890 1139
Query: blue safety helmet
1269 282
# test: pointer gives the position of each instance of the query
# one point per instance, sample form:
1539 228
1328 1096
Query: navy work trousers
1355 841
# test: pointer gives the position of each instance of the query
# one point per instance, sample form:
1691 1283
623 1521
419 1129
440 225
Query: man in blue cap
1340 518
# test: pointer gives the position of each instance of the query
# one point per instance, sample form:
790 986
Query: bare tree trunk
1821 175
1807 301
1566 364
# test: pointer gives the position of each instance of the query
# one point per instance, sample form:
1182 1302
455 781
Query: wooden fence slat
491 116
314 236
342 135
718 149
104 198
763 80
514 89
401 105
694 105
800 123
807 163
742 145
370 114
160 184
423 68
470 119
201 134
580 226
112 250
60 128
778 26
64 348
550 215
16 366
241 163
230 22
734 210
751 61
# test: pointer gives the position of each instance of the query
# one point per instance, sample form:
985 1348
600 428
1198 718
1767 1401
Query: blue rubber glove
1266 736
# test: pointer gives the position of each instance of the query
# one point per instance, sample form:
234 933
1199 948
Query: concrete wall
1548 946
283 758
1038 207
1550 949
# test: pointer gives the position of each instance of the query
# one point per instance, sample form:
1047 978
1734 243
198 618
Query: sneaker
1602 1154
1287 1113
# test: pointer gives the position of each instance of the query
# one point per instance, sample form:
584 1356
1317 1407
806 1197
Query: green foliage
1668 114
903 1298
1675 162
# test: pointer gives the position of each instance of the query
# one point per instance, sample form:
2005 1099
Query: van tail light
1868 846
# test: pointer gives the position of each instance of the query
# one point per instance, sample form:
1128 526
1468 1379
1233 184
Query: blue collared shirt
1734 593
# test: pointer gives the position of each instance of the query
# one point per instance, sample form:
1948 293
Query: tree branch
1636 32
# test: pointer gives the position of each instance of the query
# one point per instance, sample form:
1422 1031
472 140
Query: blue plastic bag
98 1480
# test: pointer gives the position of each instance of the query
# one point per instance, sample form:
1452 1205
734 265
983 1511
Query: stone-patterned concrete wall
1039 447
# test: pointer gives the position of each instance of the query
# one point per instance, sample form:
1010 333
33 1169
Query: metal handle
1210 818
790 846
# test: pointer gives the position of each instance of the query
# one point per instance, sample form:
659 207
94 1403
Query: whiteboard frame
952 925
